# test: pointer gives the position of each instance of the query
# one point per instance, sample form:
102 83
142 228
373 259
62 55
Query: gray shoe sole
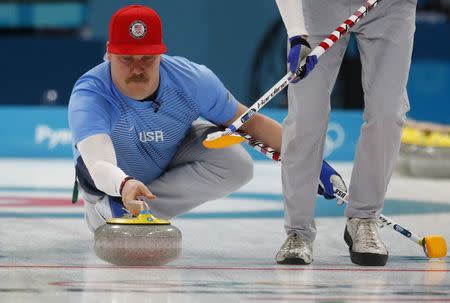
293 261
364 259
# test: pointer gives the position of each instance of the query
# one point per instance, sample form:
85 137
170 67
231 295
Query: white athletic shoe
365 245
295 250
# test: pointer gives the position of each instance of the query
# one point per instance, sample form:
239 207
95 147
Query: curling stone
138 241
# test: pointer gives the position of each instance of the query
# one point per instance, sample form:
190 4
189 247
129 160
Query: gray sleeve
292 13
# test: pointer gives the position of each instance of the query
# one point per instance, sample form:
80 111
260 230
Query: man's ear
107 55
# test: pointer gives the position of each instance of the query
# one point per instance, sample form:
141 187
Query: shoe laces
294 241
368 228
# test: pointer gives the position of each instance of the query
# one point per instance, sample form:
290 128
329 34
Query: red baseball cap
136 30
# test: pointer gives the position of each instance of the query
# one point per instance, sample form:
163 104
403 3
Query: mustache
137 78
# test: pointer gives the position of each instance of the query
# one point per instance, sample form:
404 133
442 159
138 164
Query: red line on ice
31 202
349 299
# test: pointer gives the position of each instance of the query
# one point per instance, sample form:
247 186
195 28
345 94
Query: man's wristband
125 180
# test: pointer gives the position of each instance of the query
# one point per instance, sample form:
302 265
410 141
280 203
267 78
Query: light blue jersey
146 134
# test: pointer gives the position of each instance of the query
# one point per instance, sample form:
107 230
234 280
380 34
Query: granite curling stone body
139 241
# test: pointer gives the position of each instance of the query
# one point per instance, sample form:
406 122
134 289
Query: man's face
136 76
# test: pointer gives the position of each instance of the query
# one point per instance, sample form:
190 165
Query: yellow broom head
222 141
434 246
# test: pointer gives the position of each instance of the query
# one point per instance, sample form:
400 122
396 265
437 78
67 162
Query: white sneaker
365 245
295 250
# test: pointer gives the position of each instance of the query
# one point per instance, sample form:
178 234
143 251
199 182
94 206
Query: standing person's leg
385 43
198 174
304 132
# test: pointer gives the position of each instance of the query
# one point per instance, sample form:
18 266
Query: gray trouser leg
195 175
304 132
385 45
97 210
385 41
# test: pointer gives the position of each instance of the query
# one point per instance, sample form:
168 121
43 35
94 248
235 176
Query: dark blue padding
117 208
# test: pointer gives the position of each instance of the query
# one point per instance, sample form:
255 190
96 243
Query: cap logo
138 29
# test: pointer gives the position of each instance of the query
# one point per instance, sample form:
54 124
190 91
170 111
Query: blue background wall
43 133
222 35
39 70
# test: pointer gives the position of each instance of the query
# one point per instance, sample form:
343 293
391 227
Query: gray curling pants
385 40
194 176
